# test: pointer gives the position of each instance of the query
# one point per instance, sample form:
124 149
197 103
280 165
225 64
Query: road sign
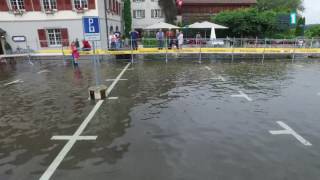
293 18
91 28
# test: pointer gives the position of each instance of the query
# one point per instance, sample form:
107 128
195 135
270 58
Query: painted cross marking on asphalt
289 131
242 95
14 82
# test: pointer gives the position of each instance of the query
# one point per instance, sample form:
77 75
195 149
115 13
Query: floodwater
174 121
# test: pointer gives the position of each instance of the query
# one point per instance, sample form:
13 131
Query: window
138 14
17 4
156 13
49 5
54 37
81 4
111 29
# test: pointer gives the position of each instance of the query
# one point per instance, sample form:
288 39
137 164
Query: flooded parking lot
176 121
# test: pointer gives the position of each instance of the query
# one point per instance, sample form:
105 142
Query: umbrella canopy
162 25
206 25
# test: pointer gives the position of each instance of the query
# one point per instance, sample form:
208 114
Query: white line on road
115 79
43 71
219 78
56 162
14 82
289 131
113 98
242 95
80 138
77 135
208 68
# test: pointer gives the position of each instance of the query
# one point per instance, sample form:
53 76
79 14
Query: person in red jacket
86 45
75 54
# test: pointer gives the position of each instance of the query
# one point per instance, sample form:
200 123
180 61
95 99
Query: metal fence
128 44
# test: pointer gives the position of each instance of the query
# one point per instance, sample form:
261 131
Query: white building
145 13
50 24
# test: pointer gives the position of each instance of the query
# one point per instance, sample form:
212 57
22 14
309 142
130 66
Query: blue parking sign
91 28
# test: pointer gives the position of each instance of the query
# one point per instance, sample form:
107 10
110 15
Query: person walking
75 54
160 38
180 40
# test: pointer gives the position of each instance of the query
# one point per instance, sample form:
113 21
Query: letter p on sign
91 25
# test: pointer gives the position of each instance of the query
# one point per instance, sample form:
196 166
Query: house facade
52 24
145 13
201 10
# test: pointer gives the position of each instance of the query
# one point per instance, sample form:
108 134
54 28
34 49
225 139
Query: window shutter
4 6
152 13
36 5
28 5
60 4
67 5
114 5
134 14
117 7
64 37
143 14
92 4
42 38
110 5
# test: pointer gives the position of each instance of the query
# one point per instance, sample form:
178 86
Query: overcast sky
312 11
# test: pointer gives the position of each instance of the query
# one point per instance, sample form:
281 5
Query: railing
164 44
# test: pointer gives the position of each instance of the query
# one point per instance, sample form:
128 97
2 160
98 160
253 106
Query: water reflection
158 110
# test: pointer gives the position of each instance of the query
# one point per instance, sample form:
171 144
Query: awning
206 25
162 25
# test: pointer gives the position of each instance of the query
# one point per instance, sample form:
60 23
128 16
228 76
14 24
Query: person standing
176 40
118 39
169 35
160 38
134 37
180 40
198 38
77 44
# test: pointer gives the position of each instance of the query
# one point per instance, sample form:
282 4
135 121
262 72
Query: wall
147 5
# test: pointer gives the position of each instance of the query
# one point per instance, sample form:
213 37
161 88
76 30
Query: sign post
91 32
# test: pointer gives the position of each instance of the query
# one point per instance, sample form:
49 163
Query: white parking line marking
80 138
56 162
14 82
219 78
242 95
113 98
115 79
43 71
289 131
77 135
208 68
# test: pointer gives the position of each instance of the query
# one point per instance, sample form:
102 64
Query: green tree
169 9
280 5
313 31
248 22
127 17
300 27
